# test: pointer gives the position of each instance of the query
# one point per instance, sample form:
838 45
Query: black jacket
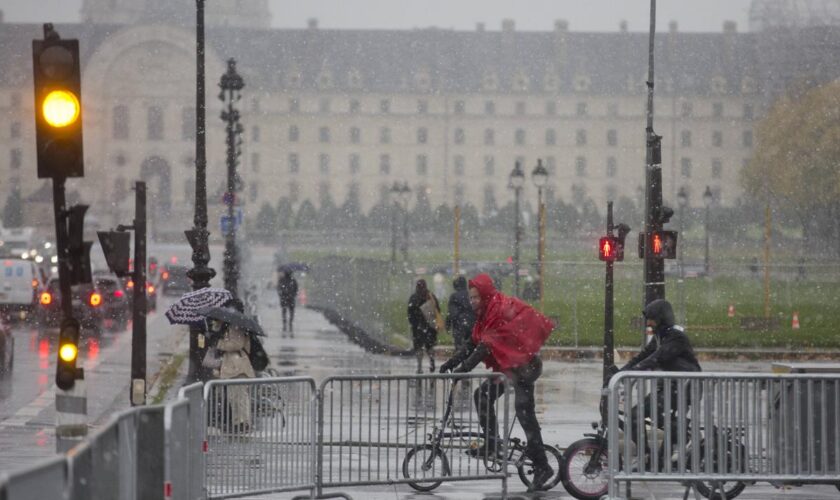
419 326
287 288
670 351
460 317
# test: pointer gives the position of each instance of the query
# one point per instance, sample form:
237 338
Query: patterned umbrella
186 310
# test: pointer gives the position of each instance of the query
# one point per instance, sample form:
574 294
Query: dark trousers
522 379
290 309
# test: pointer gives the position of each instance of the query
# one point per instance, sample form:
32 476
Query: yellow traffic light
68 352
61 108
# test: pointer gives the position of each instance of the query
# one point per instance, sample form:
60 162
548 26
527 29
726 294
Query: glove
448 366
460 369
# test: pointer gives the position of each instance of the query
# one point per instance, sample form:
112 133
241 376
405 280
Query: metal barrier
45 480
368 425
260 436
705 429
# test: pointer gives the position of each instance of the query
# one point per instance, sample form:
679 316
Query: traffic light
58 106
663 244
116 247
78 249
68 350
608 248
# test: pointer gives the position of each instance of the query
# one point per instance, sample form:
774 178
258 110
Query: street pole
198 236
609 329
681 263
231 85
516 241
706 265
394 236
541 247
404 246
457 237
138 323
767 222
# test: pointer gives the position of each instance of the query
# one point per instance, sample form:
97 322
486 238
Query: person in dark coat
287 289
460 316
423 329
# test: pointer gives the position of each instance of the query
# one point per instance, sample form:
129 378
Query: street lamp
682 202
394 192
540 178
707 199
516 181
231 85
405 198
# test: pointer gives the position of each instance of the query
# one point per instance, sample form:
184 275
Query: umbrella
293 267
186 310
233 317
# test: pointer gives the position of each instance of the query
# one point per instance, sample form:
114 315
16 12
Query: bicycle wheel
425 461
582 478
723 490
555 461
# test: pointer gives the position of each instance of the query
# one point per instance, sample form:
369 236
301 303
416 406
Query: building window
355 135
422 135
460 192
255 105
717 168
612 166
324 134
294 133
294 105
255 134
154 123
685 167
717 138
489 108
550 137
489 166
580 166
519 137
14 130
188 124
294 163
748 111
422 106
324 163
385 164
120 122
459 136
685 138
520 108
253 191
324 105
384 135
551 108
580 109
384 106
717 109
355 106
255 162
489 137
460 107
14 158
422 165
612 137
748 138
355 165
580 137
686 110
459 165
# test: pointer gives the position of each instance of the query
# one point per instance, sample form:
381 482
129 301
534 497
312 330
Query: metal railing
723 427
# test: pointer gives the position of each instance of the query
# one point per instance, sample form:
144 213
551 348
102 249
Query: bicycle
430 459
585 474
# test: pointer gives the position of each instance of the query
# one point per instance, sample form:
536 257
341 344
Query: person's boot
419 362
291 331
431 363
542 474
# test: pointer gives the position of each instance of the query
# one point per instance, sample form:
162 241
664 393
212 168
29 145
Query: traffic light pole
61 241
609 330
138 325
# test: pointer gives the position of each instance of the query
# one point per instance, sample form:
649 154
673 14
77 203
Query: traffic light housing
77 248
663 244
608 249
116 245
68 351
58 106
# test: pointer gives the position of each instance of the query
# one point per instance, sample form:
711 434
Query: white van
18 285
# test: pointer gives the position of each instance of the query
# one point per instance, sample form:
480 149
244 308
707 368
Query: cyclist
507 336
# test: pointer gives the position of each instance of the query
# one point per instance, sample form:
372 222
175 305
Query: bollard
70 416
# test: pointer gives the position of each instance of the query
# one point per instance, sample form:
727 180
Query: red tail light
130 284
95 299
34 283
165 275
46 298
150 289
118 293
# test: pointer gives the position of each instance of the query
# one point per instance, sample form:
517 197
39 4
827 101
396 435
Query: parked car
116 303
18 287
87 306
174 280
7 348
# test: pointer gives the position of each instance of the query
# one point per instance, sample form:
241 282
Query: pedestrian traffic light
68 350
116 245
77 248
608 248
663 244
58 106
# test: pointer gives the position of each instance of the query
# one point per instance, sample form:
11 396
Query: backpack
257 355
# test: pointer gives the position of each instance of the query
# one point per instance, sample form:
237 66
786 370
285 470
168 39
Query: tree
795 165
266 222
306 216
284 213
13 211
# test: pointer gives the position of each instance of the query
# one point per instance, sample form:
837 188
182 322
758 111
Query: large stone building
337 113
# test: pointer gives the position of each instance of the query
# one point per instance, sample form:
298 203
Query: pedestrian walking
507 336
460 316
287 289
425 320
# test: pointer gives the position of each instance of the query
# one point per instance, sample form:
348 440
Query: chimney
508 25
312 23
479 27
622 26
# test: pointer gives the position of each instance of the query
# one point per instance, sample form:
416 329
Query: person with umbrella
287 289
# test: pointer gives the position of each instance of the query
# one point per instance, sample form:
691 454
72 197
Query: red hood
486 290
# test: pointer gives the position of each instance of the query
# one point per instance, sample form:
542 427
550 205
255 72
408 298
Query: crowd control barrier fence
716 430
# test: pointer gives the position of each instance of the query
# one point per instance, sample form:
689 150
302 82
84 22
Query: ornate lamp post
516 181
231 85
405 198
540 178
682 202
707 199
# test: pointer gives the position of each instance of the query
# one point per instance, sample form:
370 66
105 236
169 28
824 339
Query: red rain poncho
512 330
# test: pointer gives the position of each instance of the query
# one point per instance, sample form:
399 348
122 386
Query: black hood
459 283
660 311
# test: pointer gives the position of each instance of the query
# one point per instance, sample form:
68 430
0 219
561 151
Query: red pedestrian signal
608 248
663 244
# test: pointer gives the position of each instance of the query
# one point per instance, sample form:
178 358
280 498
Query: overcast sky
582 15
